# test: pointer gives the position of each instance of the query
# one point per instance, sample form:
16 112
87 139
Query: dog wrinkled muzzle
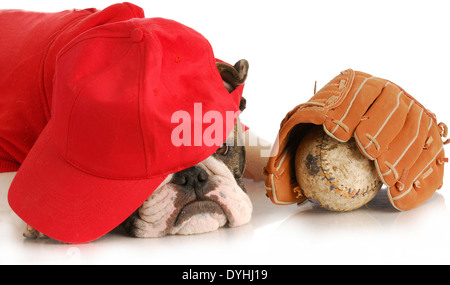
199 199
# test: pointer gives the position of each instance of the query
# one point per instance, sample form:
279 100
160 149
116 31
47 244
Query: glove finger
423 178
383 121
406 147
342 120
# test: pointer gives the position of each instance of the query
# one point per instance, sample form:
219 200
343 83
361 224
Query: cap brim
67 204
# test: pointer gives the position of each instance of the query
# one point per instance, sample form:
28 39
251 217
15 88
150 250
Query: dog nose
194 176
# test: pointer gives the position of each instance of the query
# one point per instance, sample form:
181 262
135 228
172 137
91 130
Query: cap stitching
141 66
43 64
86 80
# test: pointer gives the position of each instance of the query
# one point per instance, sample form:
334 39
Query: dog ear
233 76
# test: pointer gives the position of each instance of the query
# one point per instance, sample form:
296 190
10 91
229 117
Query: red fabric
28 49
108 143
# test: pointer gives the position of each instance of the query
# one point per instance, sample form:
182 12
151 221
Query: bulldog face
203 197
199 199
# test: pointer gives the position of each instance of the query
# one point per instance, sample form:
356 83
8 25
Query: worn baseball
334 174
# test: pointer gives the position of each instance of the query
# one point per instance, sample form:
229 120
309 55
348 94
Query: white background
289 45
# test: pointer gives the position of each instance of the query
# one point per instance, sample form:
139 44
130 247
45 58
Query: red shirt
28 49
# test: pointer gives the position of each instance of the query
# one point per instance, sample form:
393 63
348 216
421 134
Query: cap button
136 35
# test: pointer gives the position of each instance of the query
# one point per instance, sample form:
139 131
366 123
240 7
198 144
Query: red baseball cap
108 143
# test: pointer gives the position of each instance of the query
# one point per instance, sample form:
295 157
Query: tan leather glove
390 127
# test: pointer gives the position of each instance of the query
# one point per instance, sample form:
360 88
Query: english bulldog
201 198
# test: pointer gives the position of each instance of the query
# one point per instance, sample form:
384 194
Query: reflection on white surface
305 234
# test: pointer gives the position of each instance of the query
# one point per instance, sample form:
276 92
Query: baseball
334 174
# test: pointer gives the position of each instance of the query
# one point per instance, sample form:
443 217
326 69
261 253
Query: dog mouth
173 209
199 216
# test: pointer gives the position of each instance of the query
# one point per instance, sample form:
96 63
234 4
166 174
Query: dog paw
31 233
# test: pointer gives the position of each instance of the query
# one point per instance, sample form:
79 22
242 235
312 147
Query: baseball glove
389 126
